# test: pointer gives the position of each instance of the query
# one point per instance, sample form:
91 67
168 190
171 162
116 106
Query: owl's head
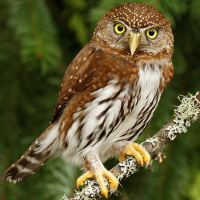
134 27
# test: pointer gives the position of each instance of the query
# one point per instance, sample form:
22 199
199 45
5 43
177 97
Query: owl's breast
116 113
145 96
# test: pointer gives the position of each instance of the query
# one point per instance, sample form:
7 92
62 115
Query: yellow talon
113 181
138 152
146 156
100 175
80 181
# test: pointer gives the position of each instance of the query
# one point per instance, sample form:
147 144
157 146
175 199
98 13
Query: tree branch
186 113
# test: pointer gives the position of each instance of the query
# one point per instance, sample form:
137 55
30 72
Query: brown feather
106 58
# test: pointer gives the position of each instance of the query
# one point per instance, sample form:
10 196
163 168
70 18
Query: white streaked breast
149 82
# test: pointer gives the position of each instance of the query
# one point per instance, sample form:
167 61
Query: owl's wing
76 79
91 70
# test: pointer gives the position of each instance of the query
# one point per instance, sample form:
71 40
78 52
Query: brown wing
90 70
74 78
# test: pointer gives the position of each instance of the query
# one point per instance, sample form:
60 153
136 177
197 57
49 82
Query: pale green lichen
189 109
184 114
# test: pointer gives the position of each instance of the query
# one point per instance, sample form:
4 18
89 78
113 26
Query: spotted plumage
108 95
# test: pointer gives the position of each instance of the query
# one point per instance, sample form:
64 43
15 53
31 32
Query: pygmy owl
108 95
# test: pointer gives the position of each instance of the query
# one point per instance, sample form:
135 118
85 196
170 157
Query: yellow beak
134 41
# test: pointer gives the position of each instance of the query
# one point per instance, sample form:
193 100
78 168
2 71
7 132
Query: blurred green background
38 39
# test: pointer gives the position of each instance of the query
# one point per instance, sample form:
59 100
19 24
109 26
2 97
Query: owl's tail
40 151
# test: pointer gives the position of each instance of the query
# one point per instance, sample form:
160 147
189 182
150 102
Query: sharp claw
146 156
113 181
104 192
80 181
100 180
138 152
100 176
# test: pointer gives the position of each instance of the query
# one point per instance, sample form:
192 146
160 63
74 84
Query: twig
185 114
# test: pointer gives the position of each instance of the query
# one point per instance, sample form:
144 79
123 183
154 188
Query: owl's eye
119 28
152 33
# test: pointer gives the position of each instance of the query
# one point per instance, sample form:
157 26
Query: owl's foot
138 152
100 175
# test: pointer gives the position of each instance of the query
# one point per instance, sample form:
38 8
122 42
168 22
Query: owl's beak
134 41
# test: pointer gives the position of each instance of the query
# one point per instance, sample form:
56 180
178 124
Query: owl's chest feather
116 113
146 95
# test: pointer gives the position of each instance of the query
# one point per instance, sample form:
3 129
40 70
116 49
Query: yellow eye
152 33
119 28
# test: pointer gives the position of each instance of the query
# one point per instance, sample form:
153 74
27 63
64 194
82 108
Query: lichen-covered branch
186 113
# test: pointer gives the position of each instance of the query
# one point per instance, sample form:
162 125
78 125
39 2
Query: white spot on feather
32 160
106 92
22 169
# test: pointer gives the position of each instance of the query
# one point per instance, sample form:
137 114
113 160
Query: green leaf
34 30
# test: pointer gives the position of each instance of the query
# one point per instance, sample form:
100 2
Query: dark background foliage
38 39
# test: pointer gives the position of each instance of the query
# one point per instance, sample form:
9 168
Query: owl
108 95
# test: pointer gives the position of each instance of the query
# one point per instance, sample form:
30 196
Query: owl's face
135 28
